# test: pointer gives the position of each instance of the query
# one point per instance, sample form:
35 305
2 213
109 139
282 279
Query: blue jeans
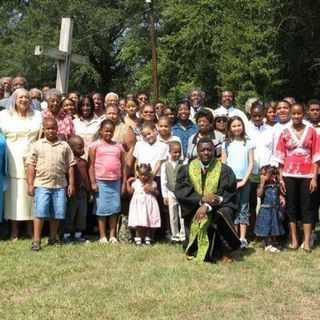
50 203
242 215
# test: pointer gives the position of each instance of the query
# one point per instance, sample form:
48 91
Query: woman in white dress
20 126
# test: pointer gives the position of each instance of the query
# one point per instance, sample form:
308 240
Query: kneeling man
206 191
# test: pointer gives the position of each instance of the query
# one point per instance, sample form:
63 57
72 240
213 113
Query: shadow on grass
240 254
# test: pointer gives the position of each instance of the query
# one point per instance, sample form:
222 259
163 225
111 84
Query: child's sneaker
175 238
182 237
244 243
67 238
79 238
138 241
147 241
273 249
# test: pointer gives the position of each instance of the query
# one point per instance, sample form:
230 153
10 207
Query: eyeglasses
221 120
143 98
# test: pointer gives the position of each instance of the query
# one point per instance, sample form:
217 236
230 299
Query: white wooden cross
63 55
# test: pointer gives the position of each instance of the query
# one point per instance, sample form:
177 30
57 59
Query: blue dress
268 220
3 171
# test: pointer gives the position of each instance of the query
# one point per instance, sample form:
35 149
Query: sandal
292 247
35 246
307 250
113 240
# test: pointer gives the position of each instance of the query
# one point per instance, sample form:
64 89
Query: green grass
124 282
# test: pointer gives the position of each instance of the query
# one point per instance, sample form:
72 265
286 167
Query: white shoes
244 243
147 241
271 249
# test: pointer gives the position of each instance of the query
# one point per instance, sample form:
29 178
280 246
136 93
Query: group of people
207 178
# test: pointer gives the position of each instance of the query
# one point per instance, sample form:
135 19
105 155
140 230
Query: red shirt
298 155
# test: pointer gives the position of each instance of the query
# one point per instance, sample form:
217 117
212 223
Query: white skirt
17 204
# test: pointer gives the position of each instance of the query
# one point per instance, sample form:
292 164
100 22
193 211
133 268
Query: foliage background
265 48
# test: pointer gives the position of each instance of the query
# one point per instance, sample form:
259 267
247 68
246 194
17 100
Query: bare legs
38 225
14 235
102 222
307 228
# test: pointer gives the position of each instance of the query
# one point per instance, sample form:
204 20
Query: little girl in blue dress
268 225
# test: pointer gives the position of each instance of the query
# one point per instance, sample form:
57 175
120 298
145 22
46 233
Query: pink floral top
65 124
298 155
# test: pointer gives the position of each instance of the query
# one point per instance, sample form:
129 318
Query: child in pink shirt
107 173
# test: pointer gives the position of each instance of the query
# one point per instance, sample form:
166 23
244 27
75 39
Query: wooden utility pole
63 55
152 30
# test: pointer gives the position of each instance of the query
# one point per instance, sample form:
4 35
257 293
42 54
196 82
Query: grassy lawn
124 282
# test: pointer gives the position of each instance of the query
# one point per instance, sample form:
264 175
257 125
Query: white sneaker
175 238
244 243
103 240
137 241
273 249
267 248
67 236
147 241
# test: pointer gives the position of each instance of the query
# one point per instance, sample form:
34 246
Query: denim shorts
50 203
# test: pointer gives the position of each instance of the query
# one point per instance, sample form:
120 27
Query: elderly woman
21 127
65 123
111 99
87 123
204 121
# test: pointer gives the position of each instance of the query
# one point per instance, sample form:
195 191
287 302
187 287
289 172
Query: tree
99 25
265 48
212 44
